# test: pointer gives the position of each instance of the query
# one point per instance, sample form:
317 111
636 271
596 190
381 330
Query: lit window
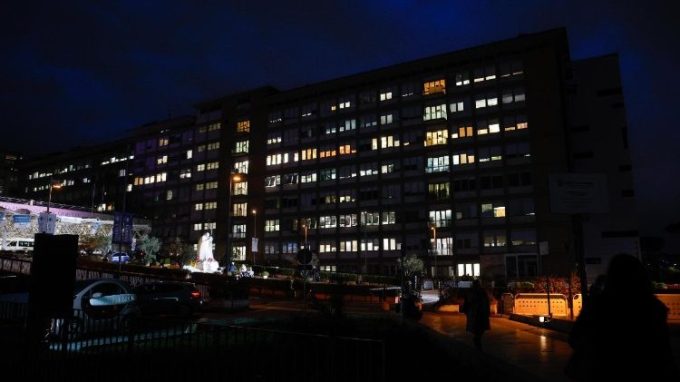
386 119
162 160
211 205
241 167
308 154
493 210
211 185
308 177
463 158
189 154
348 220
200 186
241 147
243 126
213 146
271 225
346 149
198 206
391 244
370 218
272 181
457 107
491 126
348 246
434 87
438 137
437 164
468 270
488 154
239 231
274 138
440 218
212 166
462 79
328 221
435 112
513 95
484 74
198 226
163 141
240 209
241 188
162 177
494 239
388 217
462 132
385 96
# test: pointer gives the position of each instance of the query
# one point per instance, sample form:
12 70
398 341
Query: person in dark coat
476 309
622 331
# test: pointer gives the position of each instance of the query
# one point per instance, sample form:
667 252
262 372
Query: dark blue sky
88 70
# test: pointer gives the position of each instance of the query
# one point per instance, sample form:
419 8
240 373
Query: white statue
206 261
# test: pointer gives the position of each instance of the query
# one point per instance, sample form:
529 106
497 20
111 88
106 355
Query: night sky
87 71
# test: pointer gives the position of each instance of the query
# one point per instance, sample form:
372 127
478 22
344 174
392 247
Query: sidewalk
523 351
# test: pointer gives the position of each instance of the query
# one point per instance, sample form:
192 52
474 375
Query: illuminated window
347 125
198 206
457 106
385 96
435 112
510 69
328 152
348 220
462 79
440 218
463 158
308 154
513 95
468 270
212 166
200 148
198 226
213 146
211 185
486 100
494 239
512 123
241 167
439 191
271 225
370 245
388 217
386 119
239 231
240 209
274 138
346 149
368 121
238 253
391 244
367 169
243 126
162 160
387 168
211 205
328 221
347 197
308 177
189 154
437 164
273 160
493 210
370 218
241 147
200 186
162 177
241 188
434 87
488 154
272 181
486 73
344 104
348 246
438 137
491 126
327 174
163 141
523 237
214 126
327 247
462 132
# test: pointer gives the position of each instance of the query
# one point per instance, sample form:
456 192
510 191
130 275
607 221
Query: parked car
99 305
168 297
118 257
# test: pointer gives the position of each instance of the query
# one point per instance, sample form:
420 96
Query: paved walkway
538 352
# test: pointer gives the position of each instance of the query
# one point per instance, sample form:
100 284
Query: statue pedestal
208 266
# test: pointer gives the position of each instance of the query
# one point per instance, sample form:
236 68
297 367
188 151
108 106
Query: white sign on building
578 193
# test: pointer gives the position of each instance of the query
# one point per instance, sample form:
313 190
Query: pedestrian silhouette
622 331
476 309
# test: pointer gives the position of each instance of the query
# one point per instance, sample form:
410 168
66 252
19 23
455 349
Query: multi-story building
93 177
9 173
447 158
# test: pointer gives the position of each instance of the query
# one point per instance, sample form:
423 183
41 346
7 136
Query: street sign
21 219
578 193
254 245
47 223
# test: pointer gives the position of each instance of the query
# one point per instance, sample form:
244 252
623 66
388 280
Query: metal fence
82 348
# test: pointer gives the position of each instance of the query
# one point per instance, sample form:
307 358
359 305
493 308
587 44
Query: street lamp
49 197
254 250
233 177
434 237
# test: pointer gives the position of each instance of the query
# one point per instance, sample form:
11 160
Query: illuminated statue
206 261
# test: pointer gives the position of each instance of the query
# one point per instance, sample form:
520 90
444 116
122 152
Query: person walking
622 330
476 309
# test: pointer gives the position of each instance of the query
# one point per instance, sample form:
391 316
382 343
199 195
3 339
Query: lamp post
233 177
254 249
49 195
434 238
